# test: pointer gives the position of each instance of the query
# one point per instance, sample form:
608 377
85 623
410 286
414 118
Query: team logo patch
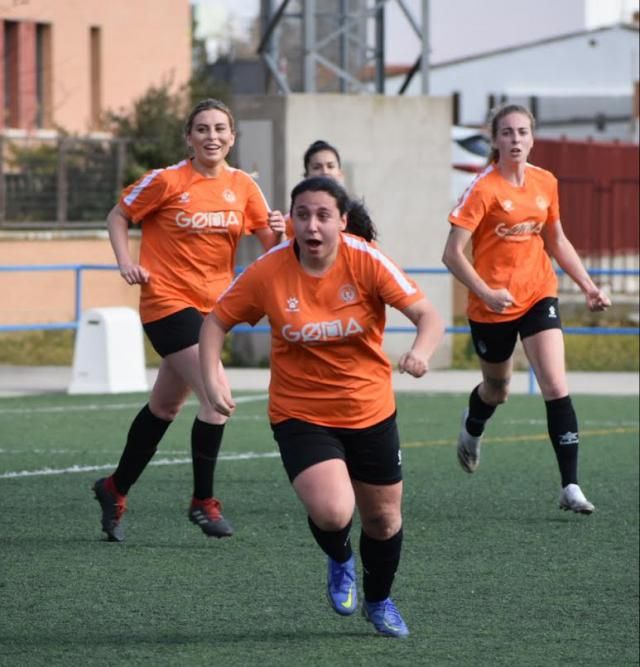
348 293
542 203
569 438
552 313
293 305
229 195
507 205
184 198
482 347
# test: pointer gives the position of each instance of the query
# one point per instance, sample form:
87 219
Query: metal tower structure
333 45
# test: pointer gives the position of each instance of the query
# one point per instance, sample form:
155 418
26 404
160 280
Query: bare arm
455 260
430 329
212 336
118 226
561 249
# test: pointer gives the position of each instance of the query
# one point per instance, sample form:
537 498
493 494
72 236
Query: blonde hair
496 115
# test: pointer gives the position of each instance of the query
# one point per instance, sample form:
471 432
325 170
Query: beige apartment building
65 62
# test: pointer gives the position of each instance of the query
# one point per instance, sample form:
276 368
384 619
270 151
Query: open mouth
313 243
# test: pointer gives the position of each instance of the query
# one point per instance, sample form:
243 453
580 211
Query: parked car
470 149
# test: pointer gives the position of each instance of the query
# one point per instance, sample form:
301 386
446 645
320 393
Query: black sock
479 414
380 560
336 544
562 425
205 444
145 433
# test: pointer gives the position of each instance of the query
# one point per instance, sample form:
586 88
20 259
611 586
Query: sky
450 37
217 18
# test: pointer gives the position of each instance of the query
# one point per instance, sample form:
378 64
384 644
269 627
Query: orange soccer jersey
327 363
506 222
191 225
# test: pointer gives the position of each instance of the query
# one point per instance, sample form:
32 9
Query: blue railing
79 269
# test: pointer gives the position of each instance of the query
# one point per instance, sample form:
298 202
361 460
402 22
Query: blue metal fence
79 270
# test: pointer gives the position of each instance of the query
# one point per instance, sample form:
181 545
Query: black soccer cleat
206 514
113 505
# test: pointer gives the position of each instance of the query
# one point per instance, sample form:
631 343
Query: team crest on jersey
293 305
542 203
229 195
348 293
184 198
507 205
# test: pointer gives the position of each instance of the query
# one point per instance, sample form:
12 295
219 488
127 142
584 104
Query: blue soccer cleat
341 586
385 617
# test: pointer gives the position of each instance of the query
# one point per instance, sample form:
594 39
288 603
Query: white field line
122 406
110 466
107 406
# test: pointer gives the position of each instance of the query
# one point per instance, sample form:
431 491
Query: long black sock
336 544
479 414
380 560
145 433
205 444
562 425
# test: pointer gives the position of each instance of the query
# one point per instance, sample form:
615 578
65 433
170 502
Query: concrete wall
30 297
396 154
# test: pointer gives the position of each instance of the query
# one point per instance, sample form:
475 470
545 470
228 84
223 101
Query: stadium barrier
79 270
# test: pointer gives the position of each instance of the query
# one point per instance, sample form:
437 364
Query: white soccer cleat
572 498
468 447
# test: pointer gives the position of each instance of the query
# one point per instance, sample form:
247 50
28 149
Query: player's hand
222 401
413 364
277 222
499 300
597 300
134 274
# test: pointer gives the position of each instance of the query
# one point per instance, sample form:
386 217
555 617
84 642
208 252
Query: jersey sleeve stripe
135 192
276 248
259 189
469 190
395 272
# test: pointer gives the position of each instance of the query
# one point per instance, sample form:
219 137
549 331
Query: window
43 76
95 60
26 73
10 110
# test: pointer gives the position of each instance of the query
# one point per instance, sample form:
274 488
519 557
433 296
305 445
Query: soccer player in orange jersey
192 216
323 159
511 214
331 401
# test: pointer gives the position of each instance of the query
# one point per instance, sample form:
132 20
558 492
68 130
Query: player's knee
496 391
332 517
382 525
553 390
166 410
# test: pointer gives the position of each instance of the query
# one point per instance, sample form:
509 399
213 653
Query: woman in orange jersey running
323 159
511 214
331 401
192 215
